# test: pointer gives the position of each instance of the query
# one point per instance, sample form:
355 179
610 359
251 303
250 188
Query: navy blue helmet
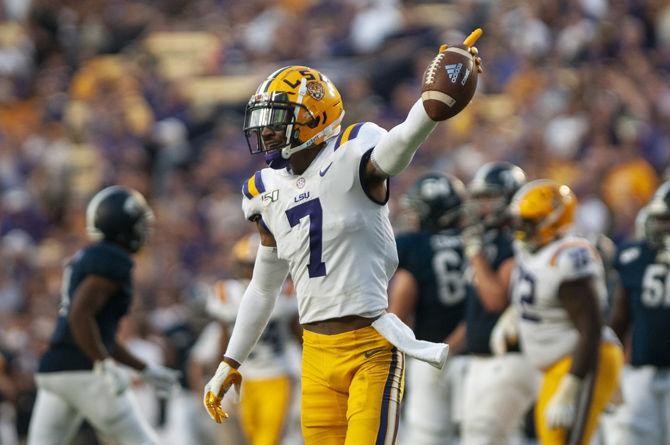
436 199
495 182
120 215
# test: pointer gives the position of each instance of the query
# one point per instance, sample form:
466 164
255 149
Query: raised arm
396 149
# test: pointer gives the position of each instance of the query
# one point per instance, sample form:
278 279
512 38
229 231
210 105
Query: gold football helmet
298 100
542 210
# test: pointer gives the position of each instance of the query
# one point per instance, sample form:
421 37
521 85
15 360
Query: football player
559 291
499 389
266 388
429 290
643 309
78 377
321 211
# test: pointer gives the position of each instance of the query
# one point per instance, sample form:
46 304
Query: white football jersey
338 242
268 358
546 331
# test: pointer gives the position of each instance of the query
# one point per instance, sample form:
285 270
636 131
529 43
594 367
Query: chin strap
326 133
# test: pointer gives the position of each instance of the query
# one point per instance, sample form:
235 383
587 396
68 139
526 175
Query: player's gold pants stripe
605 383
388 424
345 378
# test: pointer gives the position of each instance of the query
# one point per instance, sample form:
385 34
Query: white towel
401 336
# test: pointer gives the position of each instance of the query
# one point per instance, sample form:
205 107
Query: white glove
560 411
224 377
116 378
505 331
161 378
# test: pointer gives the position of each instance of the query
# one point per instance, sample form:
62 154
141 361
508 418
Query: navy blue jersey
480 322
646 285
103 259
436 262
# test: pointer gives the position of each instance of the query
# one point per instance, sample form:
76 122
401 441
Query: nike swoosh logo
323 172
372 352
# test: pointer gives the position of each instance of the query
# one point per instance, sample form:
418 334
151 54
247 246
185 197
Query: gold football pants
264 406
596 393
352 385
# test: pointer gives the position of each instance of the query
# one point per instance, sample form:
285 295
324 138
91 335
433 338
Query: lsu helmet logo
315 89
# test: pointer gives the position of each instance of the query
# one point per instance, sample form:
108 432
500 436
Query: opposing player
428 292
643 310
499 389
558 288
78 377
266 389
321 211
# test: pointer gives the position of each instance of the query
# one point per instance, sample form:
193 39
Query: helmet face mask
526 231
491 191
490 207
657 229
275 113
655 218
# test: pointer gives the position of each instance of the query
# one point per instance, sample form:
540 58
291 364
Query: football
449 83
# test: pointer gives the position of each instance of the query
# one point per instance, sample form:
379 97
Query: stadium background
151 94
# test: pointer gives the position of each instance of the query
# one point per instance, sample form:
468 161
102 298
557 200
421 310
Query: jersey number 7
311 209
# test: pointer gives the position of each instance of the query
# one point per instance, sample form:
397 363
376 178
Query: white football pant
432 406
644 417
65 399
189 423
499 390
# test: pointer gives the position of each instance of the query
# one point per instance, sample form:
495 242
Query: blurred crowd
151 94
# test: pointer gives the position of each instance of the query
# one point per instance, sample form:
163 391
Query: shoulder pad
252 188
575 258
367 133
105 260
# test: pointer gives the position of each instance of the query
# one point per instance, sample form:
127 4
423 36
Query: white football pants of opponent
433 401
499 390
644 417
65 399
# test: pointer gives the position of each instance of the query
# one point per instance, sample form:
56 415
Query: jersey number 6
312 209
